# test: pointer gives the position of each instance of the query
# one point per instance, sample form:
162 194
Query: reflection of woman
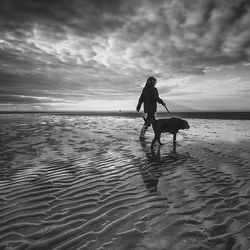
149 97
152 169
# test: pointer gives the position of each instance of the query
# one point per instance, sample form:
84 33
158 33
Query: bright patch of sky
97 55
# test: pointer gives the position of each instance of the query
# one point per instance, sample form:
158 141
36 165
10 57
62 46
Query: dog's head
184 124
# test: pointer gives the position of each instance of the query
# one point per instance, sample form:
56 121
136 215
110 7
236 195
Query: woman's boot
143 131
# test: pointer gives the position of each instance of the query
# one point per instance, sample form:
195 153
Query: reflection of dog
170 125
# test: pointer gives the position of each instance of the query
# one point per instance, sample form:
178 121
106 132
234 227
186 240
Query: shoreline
225 115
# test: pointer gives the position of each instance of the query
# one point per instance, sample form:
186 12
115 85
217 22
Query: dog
171 125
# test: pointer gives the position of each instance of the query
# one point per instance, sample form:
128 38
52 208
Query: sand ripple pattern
73 182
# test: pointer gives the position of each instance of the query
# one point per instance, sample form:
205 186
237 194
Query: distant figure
149 97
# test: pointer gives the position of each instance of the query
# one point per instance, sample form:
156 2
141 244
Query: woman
149 97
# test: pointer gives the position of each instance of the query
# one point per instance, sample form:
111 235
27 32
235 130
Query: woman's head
151 82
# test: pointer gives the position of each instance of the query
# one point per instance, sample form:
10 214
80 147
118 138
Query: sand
87 182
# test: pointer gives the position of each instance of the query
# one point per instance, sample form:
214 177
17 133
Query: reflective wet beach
74 182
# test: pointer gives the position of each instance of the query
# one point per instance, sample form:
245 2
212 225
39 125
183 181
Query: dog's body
170 125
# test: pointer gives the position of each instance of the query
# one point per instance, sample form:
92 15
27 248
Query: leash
168 110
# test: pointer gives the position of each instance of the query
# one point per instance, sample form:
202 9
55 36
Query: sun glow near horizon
91 56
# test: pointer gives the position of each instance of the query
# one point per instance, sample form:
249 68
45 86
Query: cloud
175 32
107 49
56 16
188 37
23 99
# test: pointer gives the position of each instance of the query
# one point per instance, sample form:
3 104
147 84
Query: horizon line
117 111
226 115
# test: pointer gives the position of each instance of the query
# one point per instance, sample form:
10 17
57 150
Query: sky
98 54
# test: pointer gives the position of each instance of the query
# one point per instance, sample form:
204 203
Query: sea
225 115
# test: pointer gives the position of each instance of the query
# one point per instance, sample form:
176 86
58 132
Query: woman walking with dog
149 97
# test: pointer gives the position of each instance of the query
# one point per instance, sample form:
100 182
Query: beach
88 182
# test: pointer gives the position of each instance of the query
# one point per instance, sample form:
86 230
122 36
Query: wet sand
87 182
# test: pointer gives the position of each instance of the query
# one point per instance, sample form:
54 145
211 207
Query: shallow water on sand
79 182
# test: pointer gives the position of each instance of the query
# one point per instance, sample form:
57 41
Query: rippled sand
74 182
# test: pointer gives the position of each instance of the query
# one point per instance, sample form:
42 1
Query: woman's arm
141 100
157 98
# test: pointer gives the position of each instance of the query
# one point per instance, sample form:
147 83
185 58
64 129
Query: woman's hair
150 82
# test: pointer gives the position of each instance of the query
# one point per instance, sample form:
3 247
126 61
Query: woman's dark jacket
149 97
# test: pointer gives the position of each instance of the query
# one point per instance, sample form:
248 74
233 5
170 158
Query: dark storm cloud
214 30
23 99
83 16
107 48
34 85
29 68
187 36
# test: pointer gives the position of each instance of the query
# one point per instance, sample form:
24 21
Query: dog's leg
153 142
174 138
159 139
174 148
156 138
174 142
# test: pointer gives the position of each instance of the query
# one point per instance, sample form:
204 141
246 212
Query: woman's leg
148 121
143 131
